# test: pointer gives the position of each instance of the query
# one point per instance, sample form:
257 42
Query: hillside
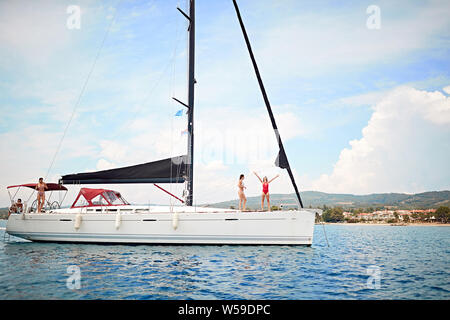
425 200
432 199
3 213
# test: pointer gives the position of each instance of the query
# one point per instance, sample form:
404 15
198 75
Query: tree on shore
333 215
396 216
442 214
423 216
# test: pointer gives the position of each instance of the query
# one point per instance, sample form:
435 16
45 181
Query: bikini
41 189
241 188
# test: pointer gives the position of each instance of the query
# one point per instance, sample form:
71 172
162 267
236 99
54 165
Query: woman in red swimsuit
265 191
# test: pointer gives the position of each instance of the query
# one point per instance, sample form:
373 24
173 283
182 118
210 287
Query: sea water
362 262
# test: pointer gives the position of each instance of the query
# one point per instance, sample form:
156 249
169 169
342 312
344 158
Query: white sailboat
103 216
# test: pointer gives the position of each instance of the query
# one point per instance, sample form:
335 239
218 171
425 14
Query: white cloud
27 153
228 139
404 147
113 151
34 31
36 34
103 164
318 43
243 137
227 143
228 135
446 89
363 99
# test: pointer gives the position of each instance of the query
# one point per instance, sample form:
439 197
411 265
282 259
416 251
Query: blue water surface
410 263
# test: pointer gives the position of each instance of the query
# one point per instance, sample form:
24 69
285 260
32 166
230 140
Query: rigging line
162 75
139 109
188 169
16 192
282 157
82 90
171 153
32 193
172 91
323 226
149 94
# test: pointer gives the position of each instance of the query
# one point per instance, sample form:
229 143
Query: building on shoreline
389 215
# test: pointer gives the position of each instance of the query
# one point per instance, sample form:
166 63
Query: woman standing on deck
265 191
242 198
41 187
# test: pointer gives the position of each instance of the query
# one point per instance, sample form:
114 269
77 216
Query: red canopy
89 195
51 186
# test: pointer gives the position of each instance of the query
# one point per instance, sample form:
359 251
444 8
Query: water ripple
413 263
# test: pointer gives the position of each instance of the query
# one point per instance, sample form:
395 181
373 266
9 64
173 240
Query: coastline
374 224
389 224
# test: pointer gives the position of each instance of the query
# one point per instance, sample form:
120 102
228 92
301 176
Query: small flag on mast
179 113
185 131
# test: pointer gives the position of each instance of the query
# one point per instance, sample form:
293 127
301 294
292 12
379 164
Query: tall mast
190 105
191 83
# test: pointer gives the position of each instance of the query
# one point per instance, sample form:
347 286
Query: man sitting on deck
16 207
19 206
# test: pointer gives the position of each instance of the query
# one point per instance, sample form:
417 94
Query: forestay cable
82 91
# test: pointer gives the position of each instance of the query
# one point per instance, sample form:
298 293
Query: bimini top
88 197
51 186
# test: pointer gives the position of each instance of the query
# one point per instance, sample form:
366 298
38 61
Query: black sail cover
171 170
281 160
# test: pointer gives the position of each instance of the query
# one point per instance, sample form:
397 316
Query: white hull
209 226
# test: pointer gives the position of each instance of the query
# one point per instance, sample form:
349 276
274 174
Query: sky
359 89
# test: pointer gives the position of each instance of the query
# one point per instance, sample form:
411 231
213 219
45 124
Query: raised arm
257 176
274 178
